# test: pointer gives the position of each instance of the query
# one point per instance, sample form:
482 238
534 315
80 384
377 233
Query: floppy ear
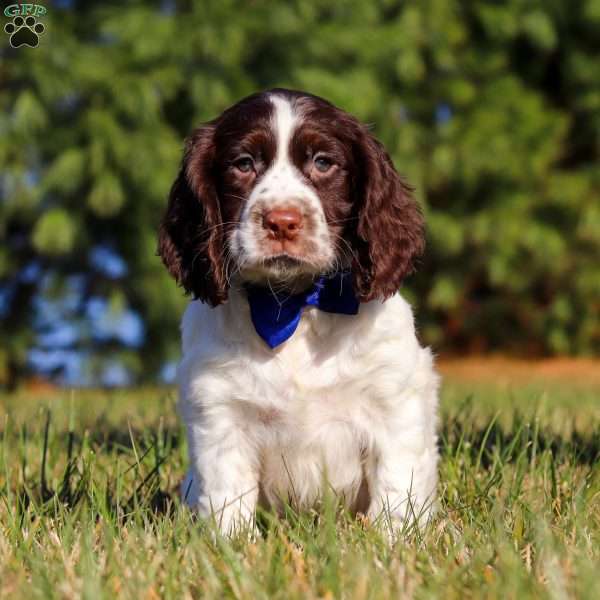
389 231
190 237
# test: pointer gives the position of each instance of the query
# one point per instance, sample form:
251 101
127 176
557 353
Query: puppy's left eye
322 163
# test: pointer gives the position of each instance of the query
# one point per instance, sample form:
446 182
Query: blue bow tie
276 315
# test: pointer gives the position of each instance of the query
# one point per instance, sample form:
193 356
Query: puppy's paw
228 517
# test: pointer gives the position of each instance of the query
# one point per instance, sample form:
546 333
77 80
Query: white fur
347 400
282 186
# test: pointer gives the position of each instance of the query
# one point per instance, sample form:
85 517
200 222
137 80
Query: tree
490 109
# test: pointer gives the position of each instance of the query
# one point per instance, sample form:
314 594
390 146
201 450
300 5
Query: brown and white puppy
280 189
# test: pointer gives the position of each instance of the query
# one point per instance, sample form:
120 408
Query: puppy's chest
298 400
305 386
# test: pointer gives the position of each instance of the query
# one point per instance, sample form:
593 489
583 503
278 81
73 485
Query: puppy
301 370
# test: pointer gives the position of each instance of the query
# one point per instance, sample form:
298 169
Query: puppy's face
281 188
293 176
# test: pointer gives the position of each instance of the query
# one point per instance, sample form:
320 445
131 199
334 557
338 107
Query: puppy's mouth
285 261
281 268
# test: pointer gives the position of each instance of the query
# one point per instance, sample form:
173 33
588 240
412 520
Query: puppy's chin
282 271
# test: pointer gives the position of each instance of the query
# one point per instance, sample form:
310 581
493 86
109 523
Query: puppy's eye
244 164
322 163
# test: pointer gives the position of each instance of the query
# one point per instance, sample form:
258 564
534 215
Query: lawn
89 505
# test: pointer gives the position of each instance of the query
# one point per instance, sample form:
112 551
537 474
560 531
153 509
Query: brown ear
190 237
390 230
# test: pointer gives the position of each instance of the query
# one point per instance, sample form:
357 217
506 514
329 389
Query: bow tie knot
276 316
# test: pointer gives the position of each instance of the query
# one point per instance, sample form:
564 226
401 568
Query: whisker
236 196
338 221
348 247
207 229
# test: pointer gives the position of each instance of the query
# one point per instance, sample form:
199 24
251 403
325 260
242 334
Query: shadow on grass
149 450
524 438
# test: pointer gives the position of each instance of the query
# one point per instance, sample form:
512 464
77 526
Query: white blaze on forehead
285 121
282 185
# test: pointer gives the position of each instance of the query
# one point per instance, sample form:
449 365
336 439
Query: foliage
491 110
89 508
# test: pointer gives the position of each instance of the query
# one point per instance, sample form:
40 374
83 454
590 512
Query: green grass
89 508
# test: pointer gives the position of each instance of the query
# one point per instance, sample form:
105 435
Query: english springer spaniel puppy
301 371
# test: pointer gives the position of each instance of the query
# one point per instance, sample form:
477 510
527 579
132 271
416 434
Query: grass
89 507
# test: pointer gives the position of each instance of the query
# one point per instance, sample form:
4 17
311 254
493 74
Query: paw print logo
24 32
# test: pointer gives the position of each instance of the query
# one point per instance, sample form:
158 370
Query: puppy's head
281 188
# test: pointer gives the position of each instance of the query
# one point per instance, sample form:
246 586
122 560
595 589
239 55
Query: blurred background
491 109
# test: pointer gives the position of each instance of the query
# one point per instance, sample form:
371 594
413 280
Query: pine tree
491 110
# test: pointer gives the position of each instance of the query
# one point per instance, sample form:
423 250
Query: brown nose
283 223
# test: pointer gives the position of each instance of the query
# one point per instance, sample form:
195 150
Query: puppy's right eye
244 164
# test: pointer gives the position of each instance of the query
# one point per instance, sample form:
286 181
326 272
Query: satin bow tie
276 315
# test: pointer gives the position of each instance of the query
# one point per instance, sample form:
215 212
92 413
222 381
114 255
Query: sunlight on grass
89 507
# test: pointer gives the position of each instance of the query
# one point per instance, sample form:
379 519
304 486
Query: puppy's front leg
223 480
402 483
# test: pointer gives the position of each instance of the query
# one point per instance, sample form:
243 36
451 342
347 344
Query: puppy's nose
283 223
